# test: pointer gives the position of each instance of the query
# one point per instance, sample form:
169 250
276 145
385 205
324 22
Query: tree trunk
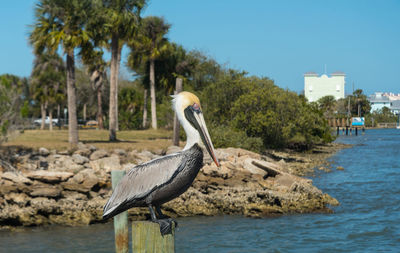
116 94
71 91
99 109
153 96
145 109
43 112
59 116
50 119
84 112
178 88
113 118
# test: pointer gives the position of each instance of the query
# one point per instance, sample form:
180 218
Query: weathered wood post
337 131
146 237
178 88
356 131
347 130
121 230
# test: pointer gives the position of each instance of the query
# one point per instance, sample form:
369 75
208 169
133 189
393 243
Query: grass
128 140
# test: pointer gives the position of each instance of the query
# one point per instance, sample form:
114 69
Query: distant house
316 87
378 101
395 106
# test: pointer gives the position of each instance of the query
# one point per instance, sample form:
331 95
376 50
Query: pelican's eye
196 108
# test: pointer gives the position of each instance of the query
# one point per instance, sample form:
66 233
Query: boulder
98 154
107 163
173 149
44 152
45 190
19 199
84 181
49 176
79 159
73 195
16 178
81 146
252 168
120 152
83 152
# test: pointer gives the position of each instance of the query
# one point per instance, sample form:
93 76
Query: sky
277 39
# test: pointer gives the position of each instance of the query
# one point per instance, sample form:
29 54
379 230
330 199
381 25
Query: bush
250 107
224 136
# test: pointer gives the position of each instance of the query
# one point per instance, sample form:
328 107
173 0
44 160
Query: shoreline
50 187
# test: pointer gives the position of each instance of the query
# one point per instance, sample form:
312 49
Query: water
368 219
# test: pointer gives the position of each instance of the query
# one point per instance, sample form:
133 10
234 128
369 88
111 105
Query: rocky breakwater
49 187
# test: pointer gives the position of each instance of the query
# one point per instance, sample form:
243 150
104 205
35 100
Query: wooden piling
146 237
121 230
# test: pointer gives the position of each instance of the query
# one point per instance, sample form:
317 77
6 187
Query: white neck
192 135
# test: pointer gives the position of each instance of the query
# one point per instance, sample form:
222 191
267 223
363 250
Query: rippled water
368 219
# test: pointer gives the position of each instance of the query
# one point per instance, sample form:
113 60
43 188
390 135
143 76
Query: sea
367 219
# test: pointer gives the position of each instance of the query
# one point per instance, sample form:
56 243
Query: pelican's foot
166 225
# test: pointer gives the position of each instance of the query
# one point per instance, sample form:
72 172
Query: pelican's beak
197 120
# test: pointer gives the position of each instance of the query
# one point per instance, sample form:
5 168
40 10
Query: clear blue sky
277 39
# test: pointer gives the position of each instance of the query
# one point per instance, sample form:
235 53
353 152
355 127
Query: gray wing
142 180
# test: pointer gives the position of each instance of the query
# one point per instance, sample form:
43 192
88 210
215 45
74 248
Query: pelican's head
188 110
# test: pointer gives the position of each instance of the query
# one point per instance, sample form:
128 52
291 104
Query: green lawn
58 139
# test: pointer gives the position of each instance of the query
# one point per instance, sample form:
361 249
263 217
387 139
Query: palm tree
96 67
119 21
148 46
59 22
327 104
47 80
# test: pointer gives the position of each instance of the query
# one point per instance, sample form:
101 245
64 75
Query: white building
378 101
316 87
389 100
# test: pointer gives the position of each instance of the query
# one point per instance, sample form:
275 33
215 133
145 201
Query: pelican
158 181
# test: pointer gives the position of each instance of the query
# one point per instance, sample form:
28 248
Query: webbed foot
166 225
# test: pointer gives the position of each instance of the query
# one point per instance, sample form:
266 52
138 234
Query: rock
19 199
44 152
92 148
45 190
145 156
339 168
16 178
81 146
173 149
249 166
246 184
84 181
120 152
28 166
64 152
98 154
79 159
44 205
83 152
107 163
128 166
49 176
73 195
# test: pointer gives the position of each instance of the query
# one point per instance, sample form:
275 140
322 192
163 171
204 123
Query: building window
310 88
337 87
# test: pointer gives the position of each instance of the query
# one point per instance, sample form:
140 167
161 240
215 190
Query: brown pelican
158 181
